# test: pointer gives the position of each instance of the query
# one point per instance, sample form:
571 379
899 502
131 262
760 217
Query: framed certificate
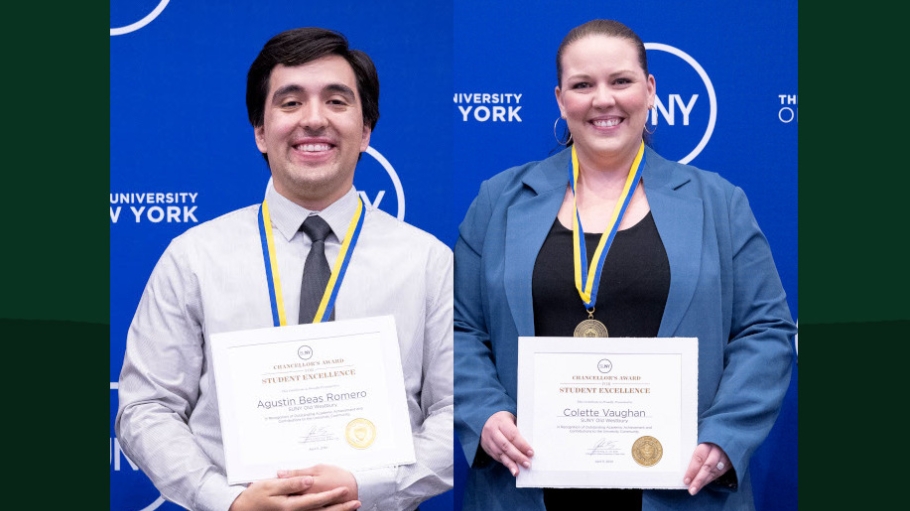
607 412
294 396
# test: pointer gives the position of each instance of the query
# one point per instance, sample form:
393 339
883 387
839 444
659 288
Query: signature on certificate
318 434
603 447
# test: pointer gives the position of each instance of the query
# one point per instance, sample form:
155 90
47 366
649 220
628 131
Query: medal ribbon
338 269
587 282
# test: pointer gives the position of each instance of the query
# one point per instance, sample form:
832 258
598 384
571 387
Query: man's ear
259 134
365 138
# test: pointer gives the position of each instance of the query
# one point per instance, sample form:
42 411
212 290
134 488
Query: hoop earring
645 127
558 141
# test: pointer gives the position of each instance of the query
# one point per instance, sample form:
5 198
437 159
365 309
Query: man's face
313 131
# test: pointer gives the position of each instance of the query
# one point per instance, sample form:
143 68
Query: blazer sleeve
758 353
478 391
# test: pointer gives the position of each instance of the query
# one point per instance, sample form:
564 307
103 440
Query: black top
634 285
633 290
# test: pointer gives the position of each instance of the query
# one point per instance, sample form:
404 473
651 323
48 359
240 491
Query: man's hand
293 494
325 478
502 441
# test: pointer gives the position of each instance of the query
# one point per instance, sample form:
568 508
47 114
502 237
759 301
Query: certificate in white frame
607 412
295 396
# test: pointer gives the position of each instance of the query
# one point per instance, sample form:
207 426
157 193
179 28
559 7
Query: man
313 104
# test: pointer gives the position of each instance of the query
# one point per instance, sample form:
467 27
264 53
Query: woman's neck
599 187
604 170
604 179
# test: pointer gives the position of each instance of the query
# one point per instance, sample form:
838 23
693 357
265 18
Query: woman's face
604 95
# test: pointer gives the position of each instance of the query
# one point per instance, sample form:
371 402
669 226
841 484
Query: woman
686 259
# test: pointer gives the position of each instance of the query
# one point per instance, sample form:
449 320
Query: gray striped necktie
316 271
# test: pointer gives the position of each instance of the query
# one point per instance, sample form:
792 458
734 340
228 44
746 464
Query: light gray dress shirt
212 279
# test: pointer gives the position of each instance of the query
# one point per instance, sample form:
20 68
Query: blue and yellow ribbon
279 316
587 282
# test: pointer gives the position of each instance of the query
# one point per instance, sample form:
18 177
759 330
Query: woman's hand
708 463
502 441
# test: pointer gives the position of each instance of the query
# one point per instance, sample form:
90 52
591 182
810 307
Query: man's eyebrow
341 89
286 90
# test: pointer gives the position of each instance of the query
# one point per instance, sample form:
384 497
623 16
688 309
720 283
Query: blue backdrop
467 91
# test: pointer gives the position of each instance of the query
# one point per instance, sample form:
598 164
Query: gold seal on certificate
591 328
360 433
647 451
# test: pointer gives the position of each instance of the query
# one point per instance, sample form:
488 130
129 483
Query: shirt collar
287 215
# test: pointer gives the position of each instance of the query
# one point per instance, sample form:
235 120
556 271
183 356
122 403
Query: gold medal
360 433
647 451
591 327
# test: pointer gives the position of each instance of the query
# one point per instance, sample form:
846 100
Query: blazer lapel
528 221
680 221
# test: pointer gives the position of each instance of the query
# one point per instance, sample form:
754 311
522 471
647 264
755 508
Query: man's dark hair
297 47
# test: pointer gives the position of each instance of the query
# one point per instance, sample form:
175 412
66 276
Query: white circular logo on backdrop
712 97
399 191
143 22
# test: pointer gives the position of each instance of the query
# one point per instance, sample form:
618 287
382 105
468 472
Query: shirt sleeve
159 387
405 487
